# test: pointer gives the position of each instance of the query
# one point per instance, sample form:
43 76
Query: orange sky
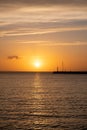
47 32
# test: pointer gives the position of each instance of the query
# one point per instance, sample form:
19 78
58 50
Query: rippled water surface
43 101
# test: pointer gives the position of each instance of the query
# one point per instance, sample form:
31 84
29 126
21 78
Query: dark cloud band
13 57
45 2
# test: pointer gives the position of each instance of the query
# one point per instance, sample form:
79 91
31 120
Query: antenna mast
62 66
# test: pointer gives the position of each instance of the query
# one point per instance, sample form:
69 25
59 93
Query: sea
43 101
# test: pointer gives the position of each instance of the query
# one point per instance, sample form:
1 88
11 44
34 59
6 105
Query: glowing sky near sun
52 31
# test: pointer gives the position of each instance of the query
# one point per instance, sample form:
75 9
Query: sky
39 35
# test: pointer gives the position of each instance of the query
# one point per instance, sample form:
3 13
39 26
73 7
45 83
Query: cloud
45 2
65 44
50 43
33 19
7 5
51 30
13 57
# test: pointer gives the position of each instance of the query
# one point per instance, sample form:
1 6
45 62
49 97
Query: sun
37 64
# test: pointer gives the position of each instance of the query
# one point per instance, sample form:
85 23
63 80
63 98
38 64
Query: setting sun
37 64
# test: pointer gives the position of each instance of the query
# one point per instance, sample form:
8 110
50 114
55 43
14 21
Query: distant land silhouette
69 72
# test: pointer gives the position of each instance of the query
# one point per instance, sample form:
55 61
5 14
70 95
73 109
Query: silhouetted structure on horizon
68 72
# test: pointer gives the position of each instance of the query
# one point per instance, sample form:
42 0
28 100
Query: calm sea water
34 101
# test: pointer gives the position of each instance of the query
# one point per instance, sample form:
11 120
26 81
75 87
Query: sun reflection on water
38 91
37 86
38 102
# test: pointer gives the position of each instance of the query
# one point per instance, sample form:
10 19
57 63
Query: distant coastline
69 72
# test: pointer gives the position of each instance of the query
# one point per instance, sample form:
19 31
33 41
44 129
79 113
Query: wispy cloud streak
38 31
50 43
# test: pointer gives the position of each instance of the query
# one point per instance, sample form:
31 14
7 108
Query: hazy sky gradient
49 30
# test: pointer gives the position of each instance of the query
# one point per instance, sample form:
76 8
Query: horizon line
19 71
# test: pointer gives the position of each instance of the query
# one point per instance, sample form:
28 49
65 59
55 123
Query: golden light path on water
38 95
